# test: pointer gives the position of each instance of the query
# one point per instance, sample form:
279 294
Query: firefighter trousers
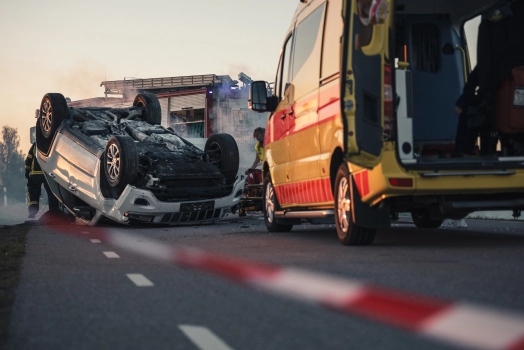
34 190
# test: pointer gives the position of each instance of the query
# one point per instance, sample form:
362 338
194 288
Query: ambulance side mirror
258 99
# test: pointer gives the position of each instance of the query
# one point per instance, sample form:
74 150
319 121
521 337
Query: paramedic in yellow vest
255 175
35 179
258 134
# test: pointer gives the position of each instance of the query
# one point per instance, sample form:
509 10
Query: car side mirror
258 99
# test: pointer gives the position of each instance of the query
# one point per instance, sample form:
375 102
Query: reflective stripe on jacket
31 163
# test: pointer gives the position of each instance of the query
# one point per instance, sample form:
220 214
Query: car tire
422 219
152 111
120 162
348 232
270 206
225 155
53 110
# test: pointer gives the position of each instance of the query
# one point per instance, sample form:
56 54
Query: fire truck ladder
118 87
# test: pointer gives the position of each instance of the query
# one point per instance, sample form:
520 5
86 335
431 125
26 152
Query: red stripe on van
365 182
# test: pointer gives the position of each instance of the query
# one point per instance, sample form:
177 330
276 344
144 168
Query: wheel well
265 169
336 160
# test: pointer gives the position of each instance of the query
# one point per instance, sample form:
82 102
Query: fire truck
194 106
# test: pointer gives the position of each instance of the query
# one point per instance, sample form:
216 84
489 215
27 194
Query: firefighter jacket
31 164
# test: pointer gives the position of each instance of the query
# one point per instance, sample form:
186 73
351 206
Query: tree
12 164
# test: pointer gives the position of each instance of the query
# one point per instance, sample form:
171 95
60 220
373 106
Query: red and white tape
454 322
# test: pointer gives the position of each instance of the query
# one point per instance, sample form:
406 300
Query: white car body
75 173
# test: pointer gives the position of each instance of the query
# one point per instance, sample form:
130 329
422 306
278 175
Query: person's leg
53 202
33 191
465 138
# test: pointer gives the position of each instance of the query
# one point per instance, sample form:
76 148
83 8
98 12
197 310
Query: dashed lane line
96 241
111 255
455 322
140 280
203 338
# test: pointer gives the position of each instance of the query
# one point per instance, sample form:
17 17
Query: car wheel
152 112
224 155
120 161
271 205
348 232
422 219
53 110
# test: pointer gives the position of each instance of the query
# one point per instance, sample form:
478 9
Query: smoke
254 73
81 81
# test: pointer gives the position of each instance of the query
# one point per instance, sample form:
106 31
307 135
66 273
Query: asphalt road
76 294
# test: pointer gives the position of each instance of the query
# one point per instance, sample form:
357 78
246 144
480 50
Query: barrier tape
457 323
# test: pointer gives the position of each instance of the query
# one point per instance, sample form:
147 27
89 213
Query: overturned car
120 163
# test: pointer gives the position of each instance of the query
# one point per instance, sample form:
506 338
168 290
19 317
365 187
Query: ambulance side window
332 33
278 78
283 78
306 55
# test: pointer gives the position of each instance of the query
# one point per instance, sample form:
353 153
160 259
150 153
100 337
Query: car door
366 79
277 142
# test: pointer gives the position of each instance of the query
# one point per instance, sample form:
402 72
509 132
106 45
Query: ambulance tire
270 206
152 113
422 219
348 232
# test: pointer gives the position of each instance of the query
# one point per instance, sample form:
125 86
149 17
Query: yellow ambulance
362 124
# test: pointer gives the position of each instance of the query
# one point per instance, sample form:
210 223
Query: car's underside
134 149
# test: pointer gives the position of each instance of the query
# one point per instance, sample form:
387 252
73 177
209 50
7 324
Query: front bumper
137 205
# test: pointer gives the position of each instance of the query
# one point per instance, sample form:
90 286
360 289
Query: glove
27 174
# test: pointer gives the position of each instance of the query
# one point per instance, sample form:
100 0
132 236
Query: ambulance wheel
53 110
271 206
422 219
348 232
222 151
152 113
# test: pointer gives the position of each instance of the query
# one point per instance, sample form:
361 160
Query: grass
12 250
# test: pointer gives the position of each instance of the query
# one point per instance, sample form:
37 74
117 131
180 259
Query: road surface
82 294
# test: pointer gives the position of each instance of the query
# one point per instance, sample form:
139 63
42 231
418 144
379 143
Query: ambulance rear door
366 73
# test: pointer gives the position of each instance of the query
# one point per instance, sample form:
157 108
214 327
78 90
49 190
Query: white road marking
85 232
203 338
111 255
140 280
96 241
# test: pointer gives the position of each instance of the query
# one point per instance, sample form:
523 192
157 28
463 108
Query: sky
72 46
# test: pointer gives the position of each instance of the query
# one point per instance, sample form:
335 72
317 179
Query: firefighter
35 179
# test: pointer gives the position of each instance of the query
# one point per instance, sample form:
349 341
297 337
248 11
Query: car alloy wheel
113 162
46 115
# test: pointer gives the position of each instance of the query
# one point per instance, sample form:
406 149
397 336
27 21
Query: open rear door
366 87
